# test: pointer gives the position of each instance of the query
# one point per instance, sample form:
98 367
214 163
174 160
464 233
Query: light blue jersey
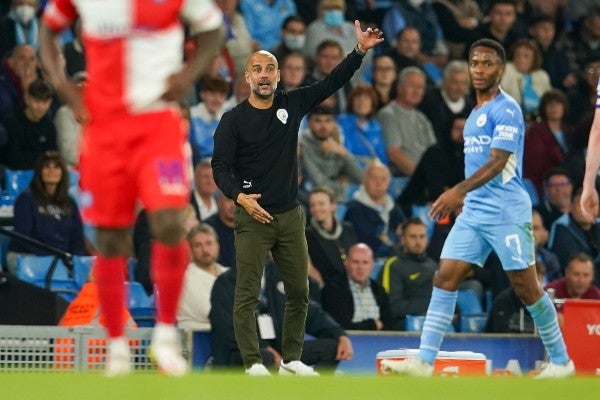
503 200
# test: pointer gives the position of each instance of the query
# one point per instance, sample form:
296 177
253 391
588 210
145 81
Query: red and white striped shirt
131 47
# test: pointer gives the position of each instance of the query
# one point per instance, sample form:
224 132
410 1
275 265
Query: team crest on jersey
481 120
282 115
171 177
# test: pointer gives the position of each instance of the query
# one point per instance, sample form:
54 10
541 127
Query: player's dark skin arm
208 47
51 58
453 198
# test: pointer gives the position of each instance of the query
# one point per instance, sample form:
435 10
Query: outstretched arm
589 196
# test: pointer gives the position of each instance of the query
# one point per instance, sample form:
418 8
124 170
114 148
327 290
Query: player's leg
109 275
514 246
463 247
168 260
161 168
108 200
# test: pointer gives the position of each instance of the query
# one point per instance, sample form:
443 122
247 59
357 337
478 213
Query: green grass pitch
224 386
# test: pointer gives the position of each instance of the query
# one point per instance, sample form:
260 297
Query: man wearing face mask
332 25
293 37
19 26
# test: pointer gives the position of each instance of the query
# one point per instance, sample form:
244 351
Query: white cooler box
459 363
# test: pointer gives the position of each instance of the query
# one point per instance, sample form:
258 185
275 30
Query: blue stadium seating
202 349
468 302
82 265
340 211
473 323
33 269
379 262
414 323
16 181
473 318
141 306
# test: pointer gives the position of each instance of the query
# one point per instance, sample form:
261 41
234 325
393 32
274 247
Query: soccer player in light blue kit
496 215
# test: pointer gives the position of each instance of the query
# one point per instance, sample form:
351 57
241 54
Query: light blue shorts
473 243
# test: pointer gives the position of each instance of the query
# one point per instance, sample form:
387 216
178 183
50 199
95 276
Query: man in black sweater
255 163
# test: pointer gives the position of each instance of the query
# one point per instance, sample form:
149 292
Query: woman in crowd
384 79
524 79
548 140
362 132
45 212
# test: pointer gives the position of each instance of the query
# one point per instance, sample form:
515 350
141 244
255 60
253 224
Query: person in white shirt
200 276
203 196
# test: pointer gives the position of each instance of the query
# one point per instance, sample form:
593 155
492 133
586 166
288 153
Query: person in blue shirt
362 132
264 19
496 215
205 116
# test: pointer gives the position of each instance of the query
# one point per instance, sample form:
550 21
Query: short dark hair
490 44
407 28
40 90
329 43
320 110
543 18
412 221
292 18
214 84
493 3
556 171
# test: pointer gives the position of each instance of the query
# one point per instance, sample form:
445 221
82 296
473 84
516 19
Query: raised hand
369 38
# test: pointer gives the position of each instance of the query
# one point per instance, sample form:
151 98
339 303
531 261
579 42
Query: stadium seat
131 264
16 181
82 265
468 302
33 269
473 323
379 262
414 323
351 189
141 306
422 212
73 178
472 317
340 211
202 349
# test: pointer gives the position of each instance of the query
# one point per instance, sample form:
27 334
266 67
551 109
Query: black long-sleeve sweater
255 150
